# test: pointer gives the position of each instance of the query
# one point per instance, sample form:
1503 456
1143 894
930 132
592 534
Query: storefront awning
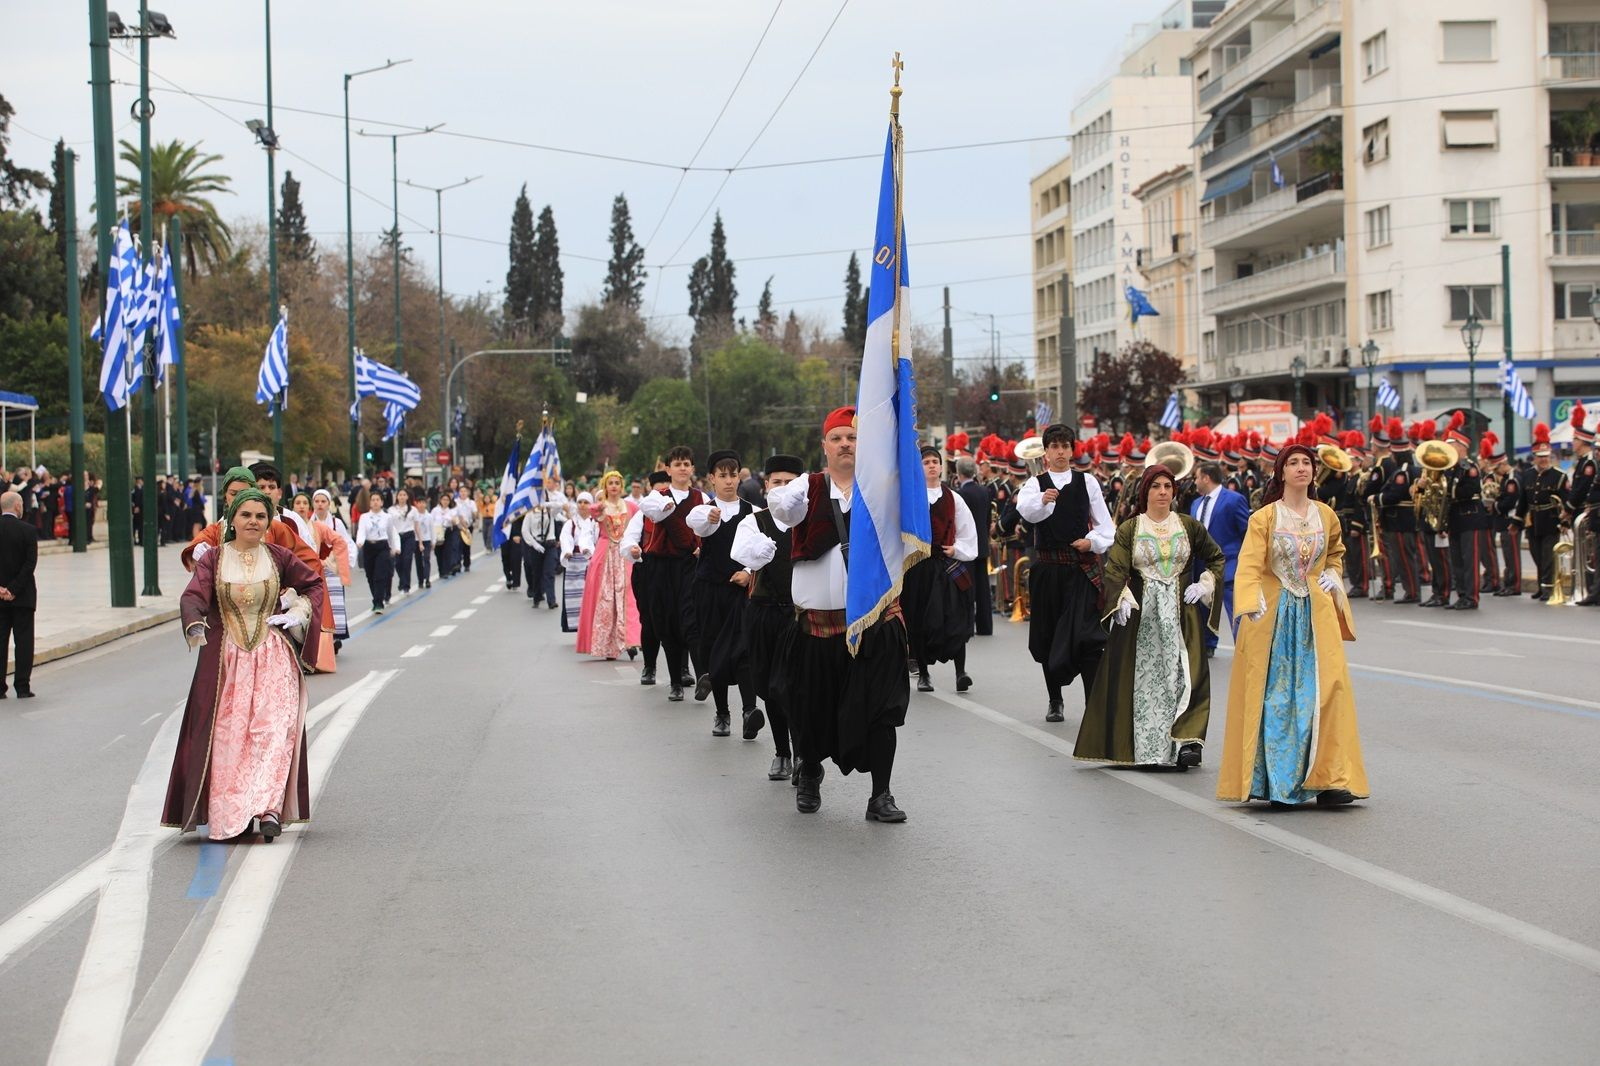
1228 181
1221 112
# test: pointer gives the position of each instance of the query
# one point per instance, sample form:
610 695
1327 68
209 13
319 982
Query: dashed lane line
465 612
479 601
442 631
415 651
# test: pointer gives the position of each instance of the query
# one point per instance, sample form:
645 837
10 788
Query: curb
95 640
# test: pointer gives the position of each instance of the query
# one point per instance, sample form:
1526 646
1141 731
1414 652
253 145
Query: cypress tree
625 274
792 342
518 310
711 289
545 298
294 239
852 298
58 198
766 317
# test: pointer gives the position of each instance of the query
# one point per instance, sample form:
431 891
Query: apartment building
1050 194
1167 263
1363 164
1135 124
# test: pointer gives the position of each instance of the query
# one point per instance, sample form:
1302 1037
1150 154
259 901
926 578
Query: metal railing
1572 66
1301 112
1575 243
1572 157
1282 45
1325 267
1268 208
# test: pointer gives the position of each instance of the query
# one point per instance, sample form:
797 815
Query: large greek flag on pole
1388 397
508 489
1172 417
170 319
272 381
889 519
119 361
397 391
1512 386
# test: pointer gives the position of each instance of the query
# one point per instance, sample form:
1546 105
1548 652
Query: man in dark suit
1226 516
19 554
979 500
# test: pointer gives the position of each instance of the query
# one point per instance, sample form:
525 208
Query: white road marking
443 631
1541 637
1485 653
355 620
1509 690
50 906
191 1022
497 587
96 1012
415 651
113 740
152 718
480 600
465 612
1241 819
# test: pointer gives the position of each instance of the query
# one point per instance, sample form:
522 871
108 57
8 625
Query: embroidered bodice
1297 545
1160 551
613 523
247 593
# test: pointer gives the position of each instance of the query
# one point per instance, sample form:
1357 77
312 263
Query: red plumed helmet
1125 446
1145 445
1077 449
1414 431
1541 433
1578 415
1458 419
1430 429
1028 433
956 442
1397 428
1375 425
1487 444
1322 423
1102 443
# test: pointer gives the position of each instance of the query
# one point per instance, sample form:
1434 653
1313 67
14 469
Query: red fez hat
839 416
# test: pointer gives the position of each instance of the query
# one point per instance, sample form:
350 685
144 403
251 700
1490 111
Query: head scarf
233 508
1149 479
238 473
585 497
1274 490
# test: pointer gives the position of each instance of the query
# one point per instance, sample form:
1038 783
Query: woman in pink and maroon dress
609 622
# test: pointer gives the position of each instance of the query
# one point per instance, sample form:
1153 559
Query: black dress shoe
1054 713
1358 594
924 683
685 681
702 688
963 682
1409 599
807 793
1335 797
1465 605
720 727
1188 755
753 721
1278 805
647 677
675 694
1379 598
881 808
25 693
1540 595
270 827
782 768
1433 602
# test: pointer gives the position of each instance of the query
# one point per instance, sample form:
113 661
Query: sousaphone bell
1174 455
1031 451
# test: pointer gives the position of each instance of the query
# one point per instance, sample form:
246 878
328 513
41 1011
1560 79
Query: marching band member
1399 514
1468 520
1541 510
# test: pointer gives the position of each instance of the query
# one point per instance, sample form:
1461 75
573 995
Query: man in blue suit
1226 516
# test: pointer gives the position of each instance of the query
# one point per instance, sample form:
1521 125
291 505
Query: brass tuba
1562 561
1332 459
1031 451
1582 538
1174 455
1431 493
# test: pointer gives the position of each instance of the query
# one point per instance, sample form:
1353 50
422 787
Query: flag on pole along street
529 492
1172 417
508 489
272 381
1139 304
1041 415
890 525
111 329
1277 174
170 319
394 419
1512 386
1388 397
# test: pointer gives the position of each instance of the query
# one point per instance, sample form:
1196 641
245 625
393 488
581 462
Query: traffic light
370 455
994 392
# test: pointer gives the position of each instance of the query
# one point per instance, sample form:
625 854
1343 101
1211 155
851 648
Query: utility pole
175 250
1067 401
80 530
1505 335
271 143
949 370
438 229
119 512
152 506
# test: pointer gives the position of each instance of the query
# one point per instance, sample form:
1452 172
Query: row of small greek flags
397 391
1388 397
522 486
139 297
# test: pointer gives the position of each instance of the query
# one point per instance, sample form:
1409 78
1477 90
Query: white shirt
753 549
539 524
377 527
658 505
818 584
966 545
1203 510
579 535
1033 509
444 519
633 534
422 522
403 521
701 522
467 511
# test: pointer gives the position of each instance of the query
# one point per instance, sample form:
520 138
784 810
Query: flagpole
899 173
152 506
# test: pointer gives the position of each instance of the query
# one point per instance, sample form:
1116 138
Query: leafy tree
1009 417
518 309
711 291
545 298
625 274
1129 390
386 243
668 413
754 390
606 345
31 277
34 350
294 239
17 184
179 182
855 306
766 317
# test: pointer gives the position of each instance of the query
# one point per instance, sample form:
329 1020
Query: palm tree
178 184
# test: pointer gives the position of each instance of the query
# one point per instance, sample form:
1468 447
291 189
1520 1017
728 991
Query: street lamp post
1236 393
1369 359
438 228
350 266
1472 336
1297 370
267 137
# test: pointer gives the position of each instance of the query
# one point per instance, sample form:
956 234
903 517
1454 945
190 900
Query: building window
1572 300
1378 227
1471 218
1375 53
1468 42
1465 299
1380 310
1375 141
1470 129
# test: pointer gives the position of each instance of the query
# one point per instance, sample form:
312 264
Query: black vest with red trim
716 563
773 580
816 533
1070 519
943 513
671 537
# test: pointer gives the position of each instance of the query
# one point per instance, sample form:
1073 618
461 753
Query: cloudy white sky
629 78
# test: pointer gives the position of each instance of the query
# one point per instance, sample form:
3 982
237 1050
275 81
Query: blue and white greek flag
397 391
1388 397
1512 386
1041 415
1139 304
144 310
170 319
118 361
1172 417
544 462
508 489
273 379
890 526
394 420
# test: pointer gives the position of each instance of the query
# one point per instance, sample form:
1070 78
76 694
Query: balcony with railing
1325 268
1575 244
1293 40
1571 67
1304 112
1309 206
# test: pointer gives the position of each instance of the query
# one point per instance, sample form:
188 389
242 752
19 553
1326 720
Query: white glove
283 621
1194 593
200 551
1330 582
1124 612
536 546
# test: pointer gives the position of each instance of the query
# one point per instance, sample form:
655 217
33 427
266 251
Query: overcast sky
629 78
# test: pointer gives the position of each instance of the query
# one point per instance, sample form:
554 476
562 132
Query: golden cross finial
894 93
898 67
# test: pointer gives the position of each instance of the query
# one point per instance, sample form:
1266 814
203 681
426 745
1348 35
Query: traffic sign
444 456
434 441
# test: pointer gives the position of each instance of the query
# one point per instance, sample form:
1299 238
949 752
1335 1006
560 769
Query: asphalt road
522 856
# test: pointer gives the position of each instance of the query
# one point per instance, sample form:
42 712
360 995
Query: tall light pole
267 137
1472 336
350 266
1369 359
438 229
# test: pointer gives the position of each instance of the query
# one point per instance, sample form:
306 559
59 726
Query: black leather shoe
685 681
25 693
1188 755
1335 797
720 727
1054 714
924 683
1358 594
1464 605
647 677
675 695
270 827
807 793
1278 805
702 688
1409 599
782 768
881 808
963 682
1434 602
753 721
1539 596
